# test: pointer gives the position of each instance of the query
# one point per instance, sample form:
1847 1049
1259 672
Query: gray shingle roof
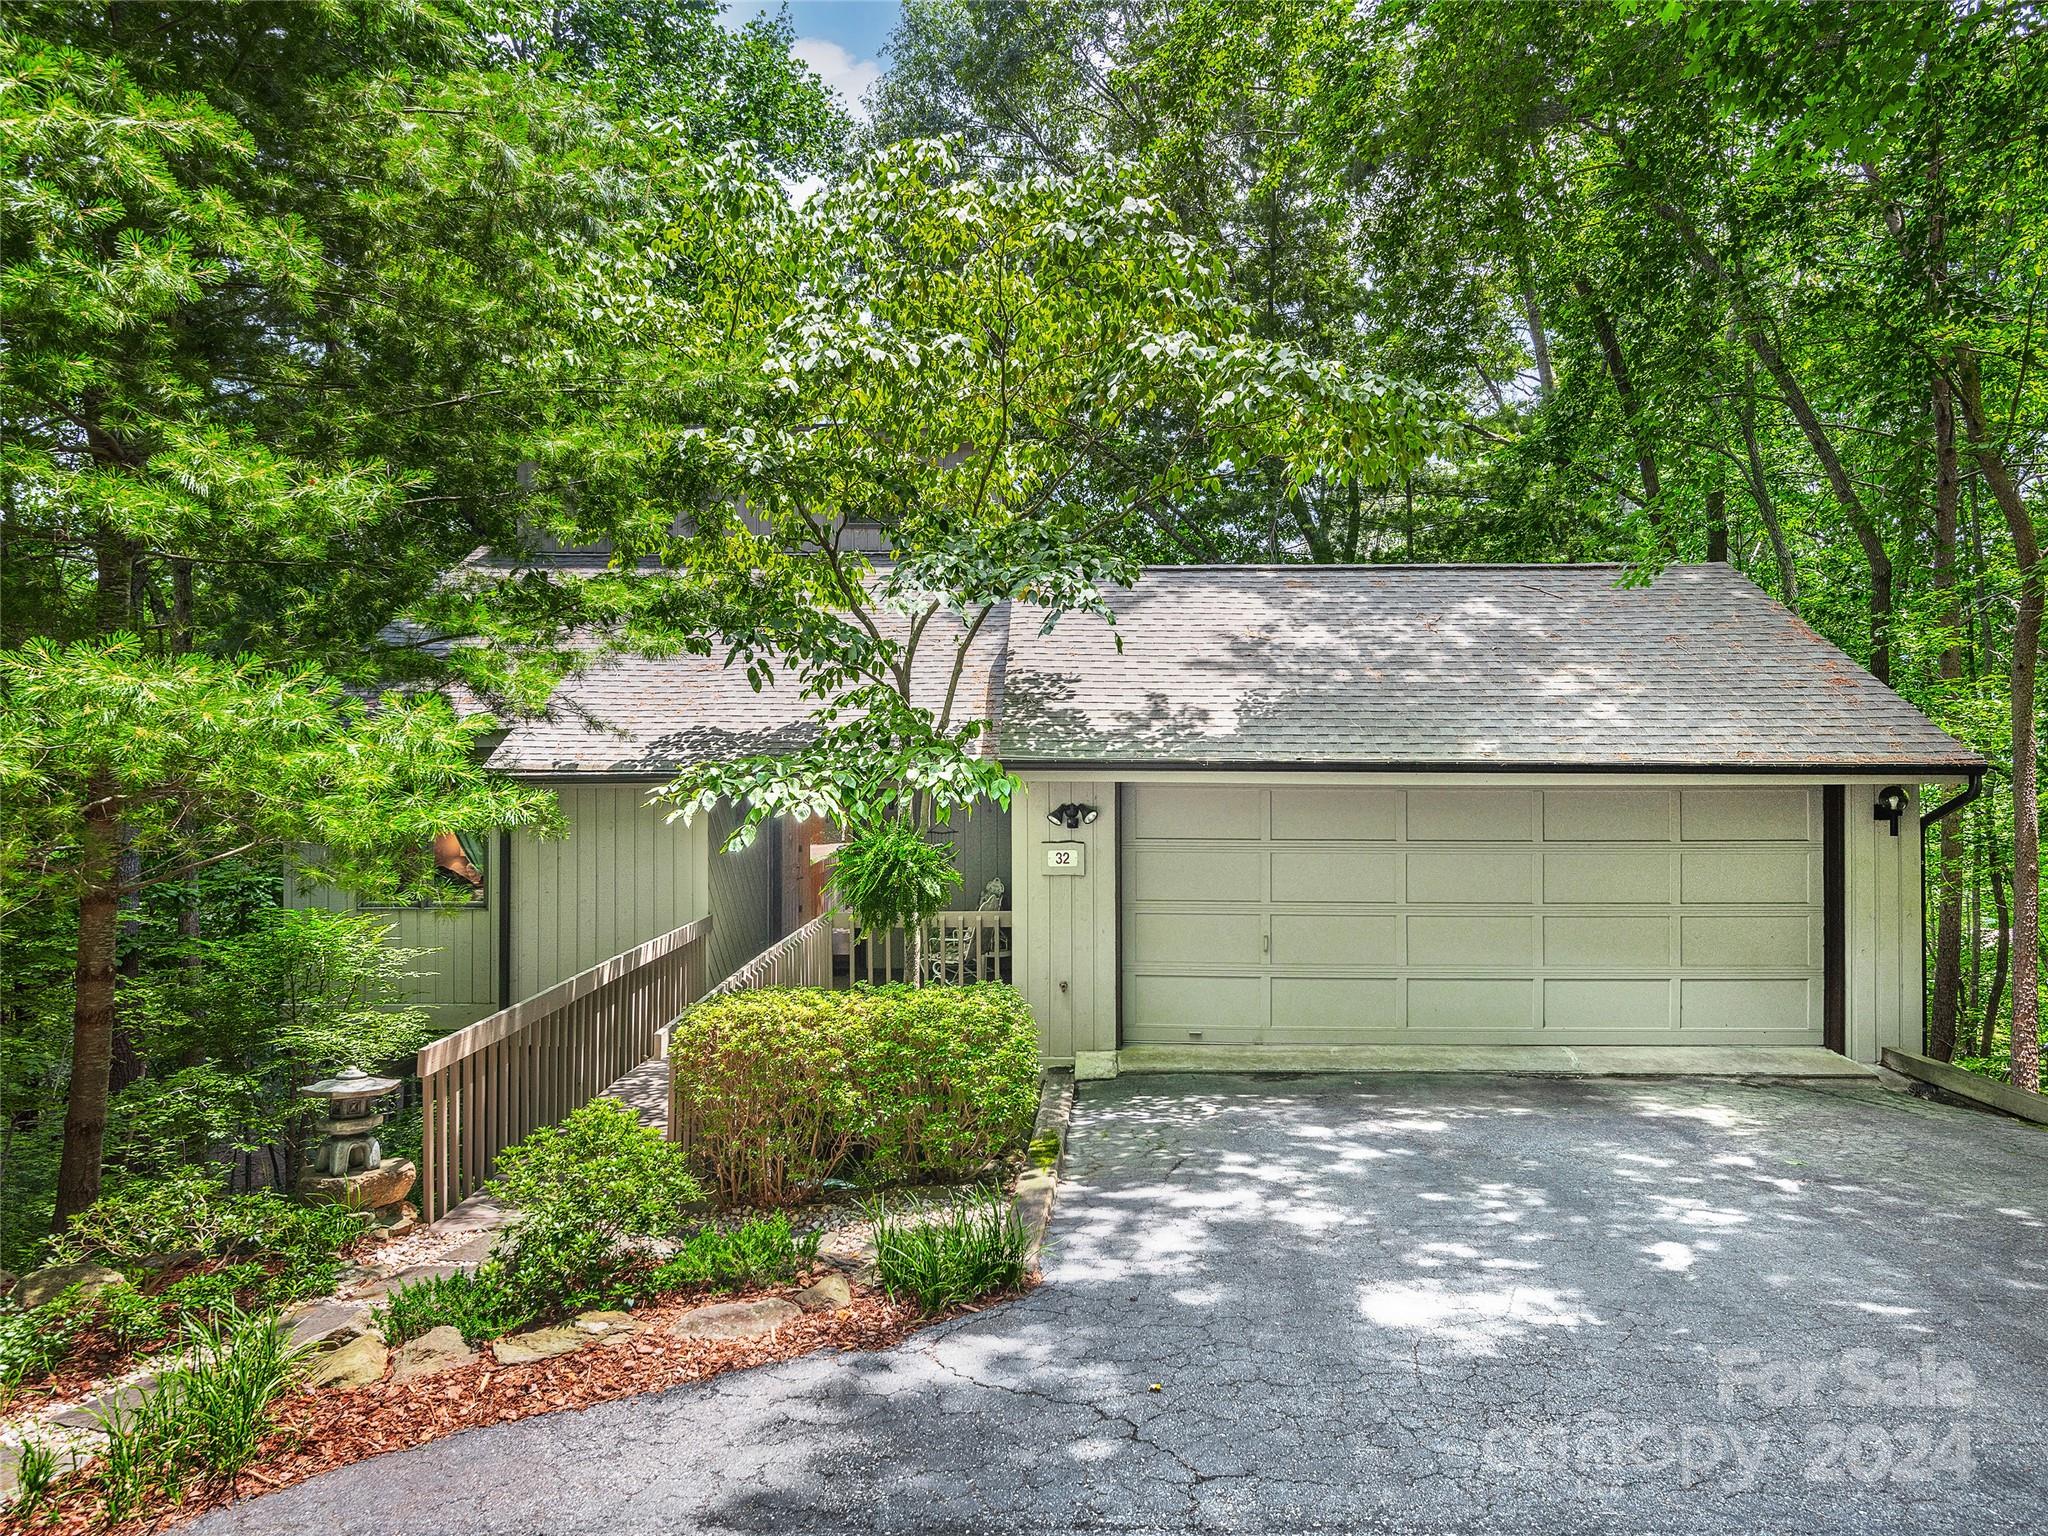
1451 667
1335 666
653 715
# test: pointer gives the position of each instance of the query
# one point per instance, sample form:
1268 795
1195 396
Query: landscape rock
386 1184
398 1280
538 1344
326 1322
436 1350
727 1320
826 1295
605 1322
114 1403
41 1285
358 1363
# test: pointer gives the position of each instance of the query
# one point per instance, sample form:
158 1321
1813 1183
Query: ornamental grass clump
204 1418
973 1246
782 1088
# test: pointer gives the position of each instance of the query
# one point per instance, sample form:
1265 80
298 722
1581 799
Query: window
459 865
459 878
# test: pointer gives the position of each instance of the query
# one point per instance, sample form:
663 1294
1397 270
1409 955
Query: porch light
1891 805
1073 814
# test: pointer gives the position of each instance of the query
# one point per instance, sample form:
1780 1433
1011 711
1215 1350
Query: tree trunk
2026 838
1750 321
1948 906
2026 767
1988 1028
1760 493
1717 526
1631 406
92 1021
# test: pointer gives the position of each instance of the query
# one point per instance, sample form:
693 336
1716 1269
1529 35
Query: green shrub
584 1190
948 1078
764 1251
781 1087
480 1306
190 1212
235 1366
34 1340
969 1248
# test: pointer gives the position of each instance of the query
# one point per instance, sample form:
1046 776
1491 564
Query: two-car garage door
1323 915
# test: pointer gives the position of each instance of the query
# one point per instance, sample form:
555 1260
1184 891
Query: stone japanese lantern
348 1167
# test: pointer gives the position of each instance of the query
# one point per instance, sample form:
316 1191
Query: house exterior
1313 806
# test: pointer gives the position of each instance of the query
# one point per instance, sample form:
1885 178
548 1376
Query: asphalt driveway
1404 1304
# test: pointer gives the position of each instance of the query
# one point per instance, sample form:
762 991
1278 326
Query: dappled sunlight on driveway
1329 1303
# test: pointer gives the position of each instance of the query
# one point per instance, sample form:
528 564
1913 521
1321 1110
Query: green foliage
35 1471
892 876
970 366
783 1086
189 1212
481 1304
33 1341
761 1251
204 1419
585 1189
971 1247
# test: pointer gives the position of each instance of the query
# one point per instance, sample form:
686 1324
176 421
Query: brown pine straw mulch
317 1432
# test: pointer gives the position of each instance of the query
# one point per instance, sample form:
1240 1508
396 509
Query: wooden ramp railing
802 958
958 947
485 1087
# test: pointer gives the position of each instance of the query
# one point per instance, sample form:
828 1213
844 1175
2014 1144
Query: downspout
1941 812
505 997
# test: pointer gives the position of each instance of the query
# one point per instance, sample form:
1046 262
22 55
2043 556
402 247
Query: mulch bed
319 1431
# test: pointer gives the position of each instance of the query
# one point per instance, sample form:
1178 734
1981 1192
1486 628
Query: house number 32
1063 858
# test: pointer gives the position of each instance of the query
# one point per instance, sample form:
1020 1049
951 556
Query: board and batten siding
981 851
1881 906
744 901
623 874
1066 947
457 980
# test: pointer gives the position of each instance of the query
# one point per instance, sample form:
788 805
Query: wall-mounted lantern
1891 805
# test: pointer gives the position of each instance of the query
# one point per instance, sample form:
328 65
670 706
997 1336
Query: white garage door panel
1319 815
1334 874
1468 939
1470 878
1470 815
1325 1010
1320 915
1608 877
1216 1009
1311 940
1167 873
1635 943
1194 937
1748 1008
1608 815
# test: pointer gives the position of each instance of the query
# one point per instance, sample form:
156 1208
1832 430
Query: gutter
1956 802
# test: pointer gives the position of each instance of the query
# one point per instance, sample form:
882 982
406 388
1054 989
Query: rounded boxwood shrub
781 1087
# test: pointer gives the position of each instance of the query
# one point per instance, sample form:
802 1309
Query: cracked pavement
1401 1303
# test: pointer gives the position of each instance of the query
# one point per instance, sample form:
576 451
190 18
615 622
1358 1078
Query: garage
1391 817
1286 915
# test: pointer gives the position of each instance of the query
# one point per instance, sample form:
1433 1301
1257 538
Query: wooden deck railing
959 947
485 1087
802 958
